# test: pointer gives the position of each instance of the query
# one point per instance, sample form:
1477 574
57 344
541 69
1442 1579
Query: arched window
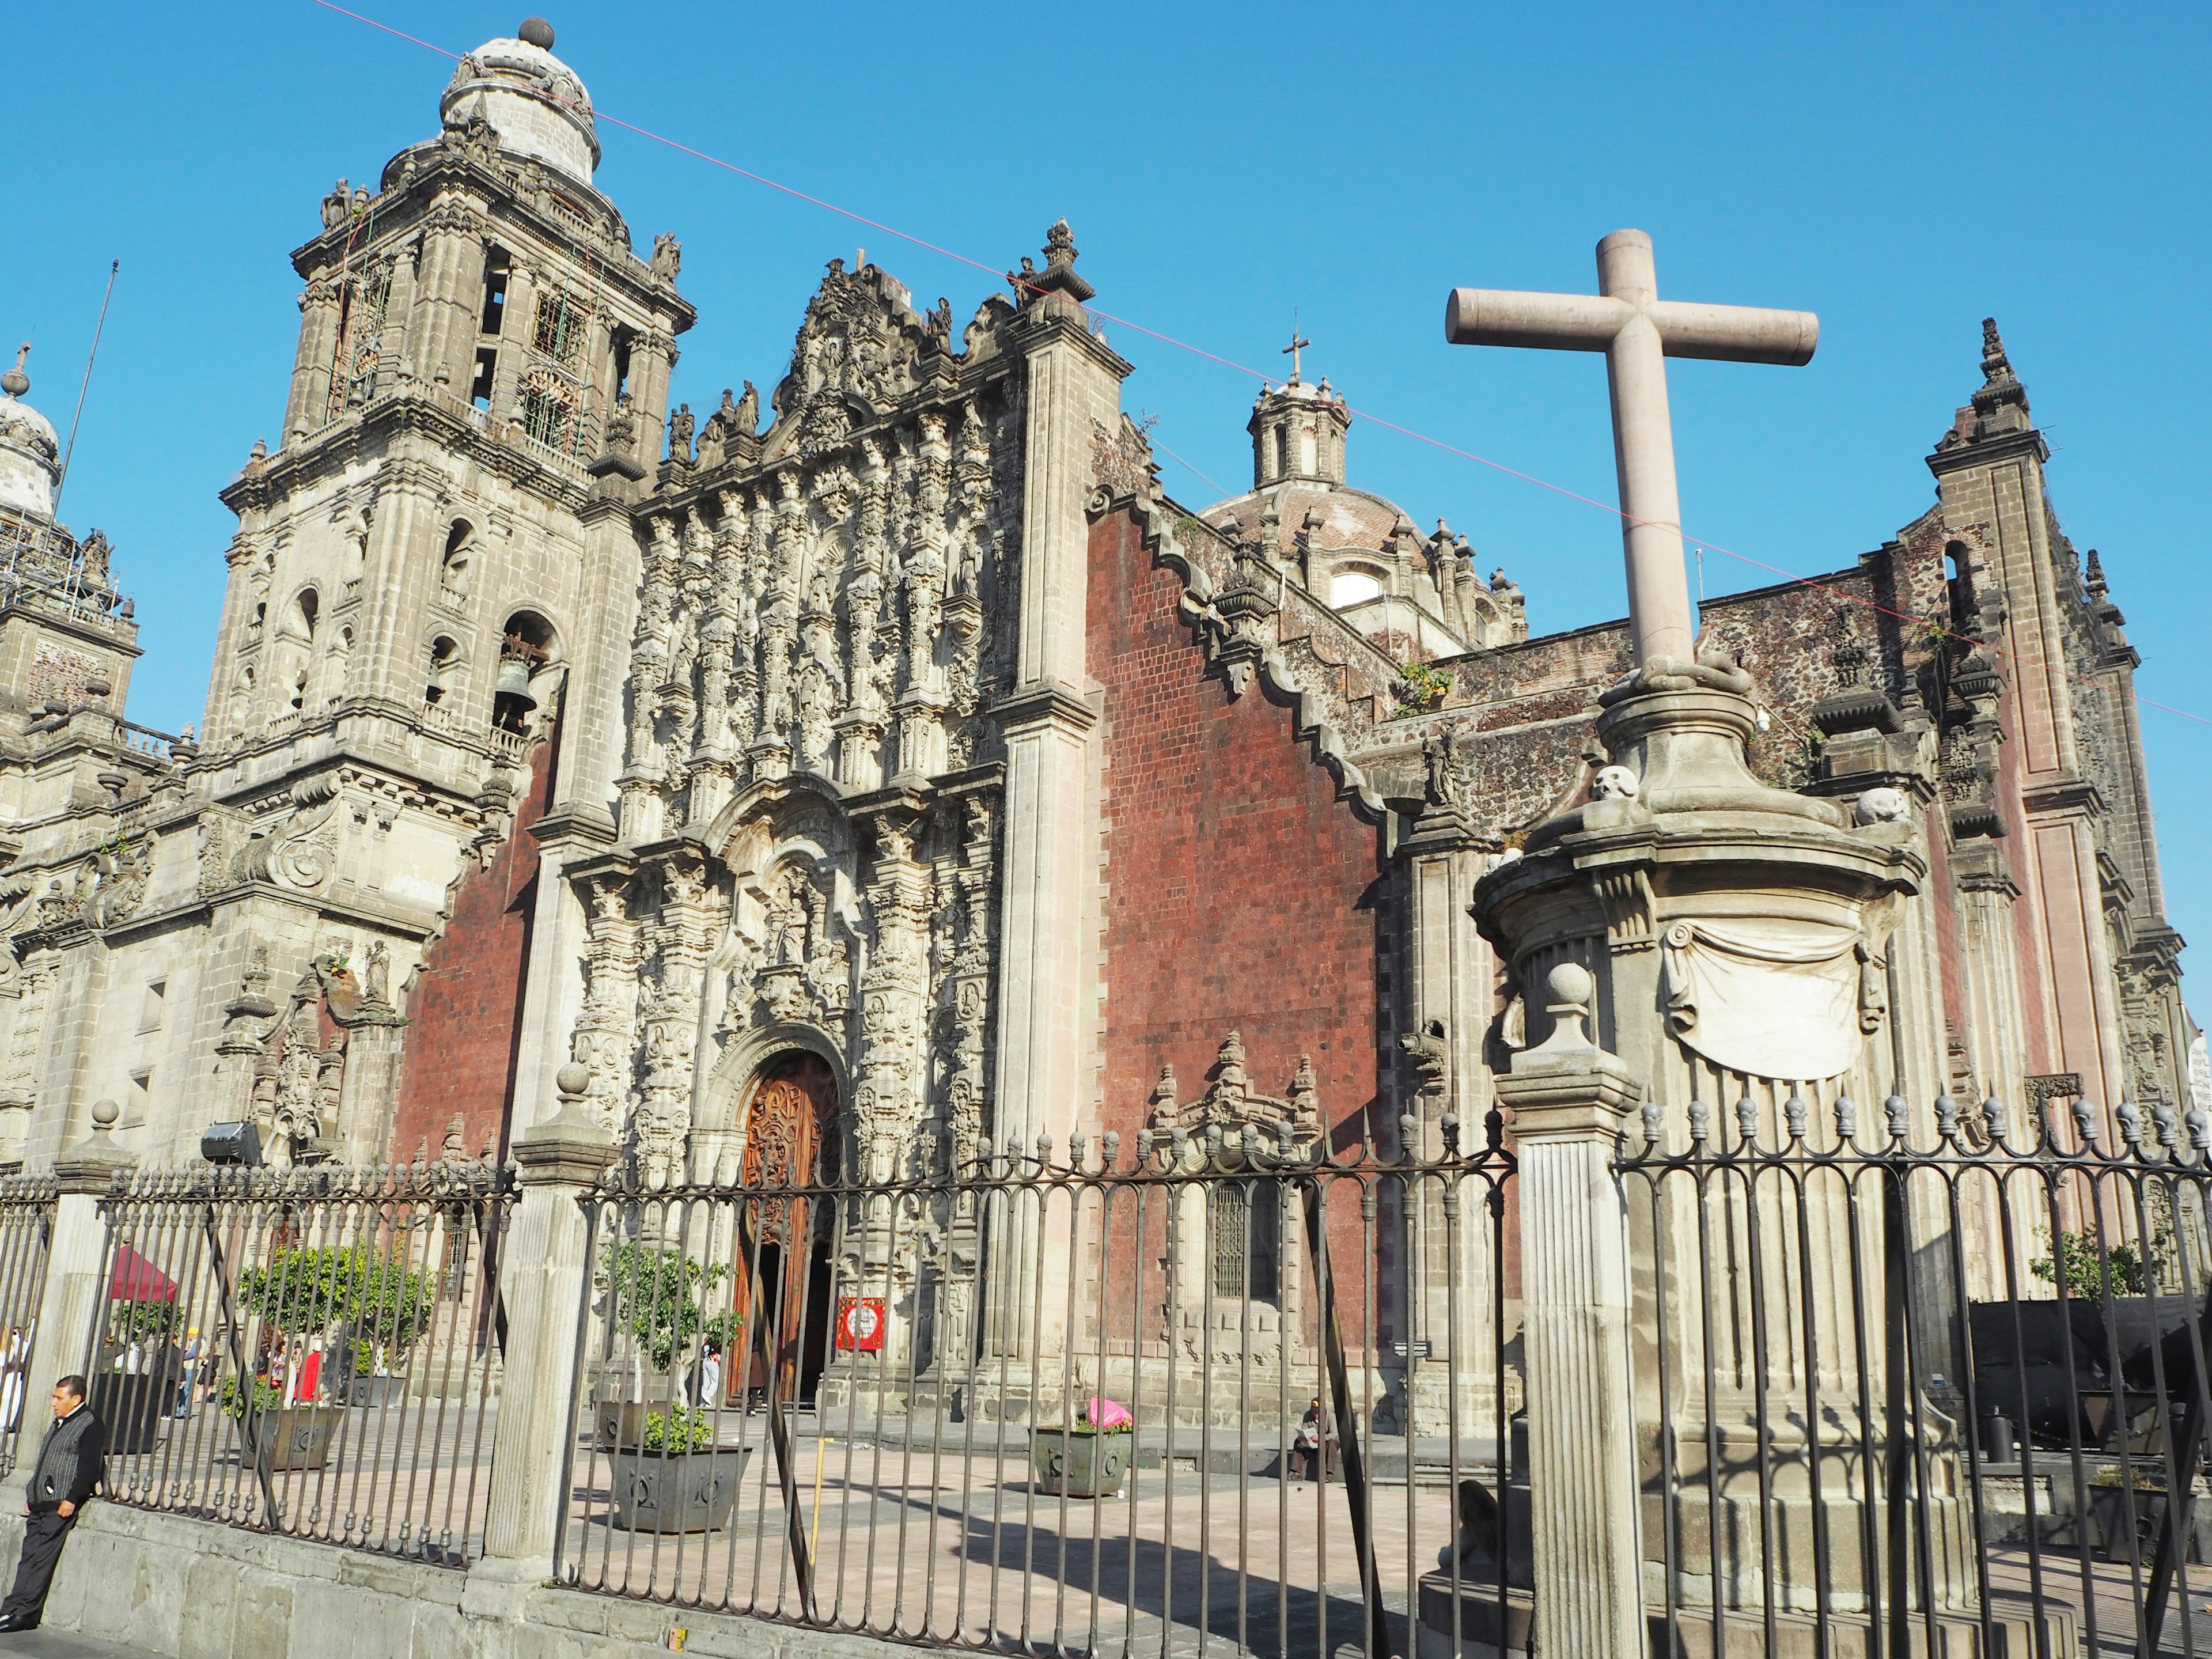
1351 587
445 660
454 567
526 646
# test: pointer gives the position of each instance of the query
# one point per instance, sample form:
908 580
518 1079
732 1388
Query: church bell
514 683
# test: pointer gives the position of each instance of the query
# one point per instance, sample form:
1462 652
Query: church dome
535 102
30 463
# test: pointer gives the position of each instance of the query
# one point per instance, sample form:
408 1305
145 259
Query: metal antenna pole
83 385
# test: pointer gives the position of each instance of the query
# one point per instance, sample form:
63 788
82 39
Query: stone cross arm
1591 322
1637 331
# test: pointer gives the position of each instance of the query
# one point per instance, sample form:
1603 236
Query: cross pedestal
1638 331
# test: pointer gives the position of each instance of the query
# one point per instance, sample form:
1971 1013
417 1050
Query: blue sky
1903 170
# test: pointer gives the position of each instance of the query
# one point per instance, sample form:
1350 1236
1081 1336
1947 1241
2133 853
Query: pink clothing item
1104 1413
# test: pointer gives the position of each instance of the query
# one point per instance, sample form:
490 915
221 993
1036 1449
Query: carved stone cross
1291 351
1637 331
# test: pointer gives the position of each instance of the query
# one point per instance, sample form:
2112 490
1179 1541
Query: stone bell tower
482 361
432 561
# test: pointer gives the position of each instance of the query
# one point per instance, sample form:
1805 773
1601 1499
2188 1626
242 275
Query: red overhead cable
1789 577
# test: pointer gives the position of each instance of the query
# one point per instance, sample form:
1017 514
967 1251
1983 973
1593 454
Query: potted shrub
365 1313
1088 1458
676 1479
275 1436
653 1297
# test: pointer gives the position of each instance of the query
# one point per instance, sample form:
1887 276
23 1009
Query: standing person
62 1481
710 1377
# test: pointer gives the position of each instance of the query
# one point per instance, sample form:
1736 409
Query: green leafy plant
677 1430
129 1322
383 1303
1422 687
260 1396
2123 1270
656 1297
727 1327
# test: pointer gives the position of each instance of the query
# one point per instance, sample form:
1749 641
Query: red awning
137 1279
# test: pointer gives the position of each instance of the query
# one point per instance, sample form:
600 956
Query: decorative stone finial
94 1162
1571 987
535 32
15 382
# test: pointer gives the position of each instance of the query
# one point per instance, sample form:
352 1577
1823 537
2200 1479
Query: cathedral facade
888 765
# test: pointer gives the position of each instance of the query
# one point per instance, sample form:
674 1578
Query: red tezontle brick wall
1241 893
465 1014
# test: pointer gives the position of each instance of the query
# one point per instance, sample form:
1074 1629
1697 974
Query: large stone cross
1637 331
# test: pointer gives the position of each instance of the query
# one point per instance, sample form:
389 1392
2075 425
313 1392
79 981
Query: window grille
361 303
549 409
1247 1239
559 331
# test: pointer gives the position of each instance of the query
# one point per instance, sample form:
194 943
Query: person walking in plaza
69 1466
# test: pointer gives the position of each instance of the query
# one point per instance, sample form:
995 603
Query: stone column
1046 915
448 301
68 1304
311 369
542 1284
1571 1102
1450 992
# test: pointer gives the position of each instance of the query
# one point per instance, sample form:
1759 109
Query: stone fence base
197 1589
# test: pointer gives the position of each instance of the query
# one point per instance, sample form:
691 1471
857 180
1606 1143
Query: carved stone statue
746 419
1440 785
680 428
667 257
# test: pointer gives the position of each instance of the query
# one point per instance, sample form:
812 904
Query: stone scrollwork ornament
1767 997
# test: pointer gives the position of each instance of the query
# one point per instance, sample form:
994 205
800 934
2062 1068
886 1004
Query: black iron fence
1923 1380
1213 1386
26 1228
313 1352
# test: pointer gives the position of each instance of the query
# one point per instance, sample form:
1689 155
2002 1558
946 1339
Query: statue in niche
1440 785
93 554
377 983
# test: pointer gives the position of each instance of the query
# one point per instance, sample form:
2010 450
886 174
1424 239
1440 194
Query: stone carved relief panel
839 601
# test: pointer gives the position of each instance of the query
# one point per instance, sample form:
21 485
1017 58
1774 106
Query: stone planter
689 1492
375 1391
297 1437
1080 1463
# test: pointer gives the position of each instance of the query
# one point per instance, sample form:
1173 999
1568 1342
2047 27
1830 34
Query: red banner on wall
860 1323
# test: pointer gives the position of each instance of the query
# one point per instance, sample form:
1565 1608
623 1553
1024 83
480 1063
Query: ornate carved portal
784 1277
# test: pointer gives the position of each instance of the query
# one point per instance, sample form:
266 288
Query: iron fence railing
314 1351
1222 1392
1923 1380
26 1229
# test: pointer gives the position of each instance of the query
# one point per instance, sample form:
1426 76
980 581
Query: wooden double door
785 1281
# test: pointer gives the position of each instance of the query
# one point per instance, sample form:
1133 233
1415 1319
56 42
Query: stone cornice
410 407
2072 794
1044 702
1982 451
1054 321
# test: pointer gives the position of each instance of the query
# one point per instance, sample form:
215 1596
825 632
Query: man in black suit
69 1466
